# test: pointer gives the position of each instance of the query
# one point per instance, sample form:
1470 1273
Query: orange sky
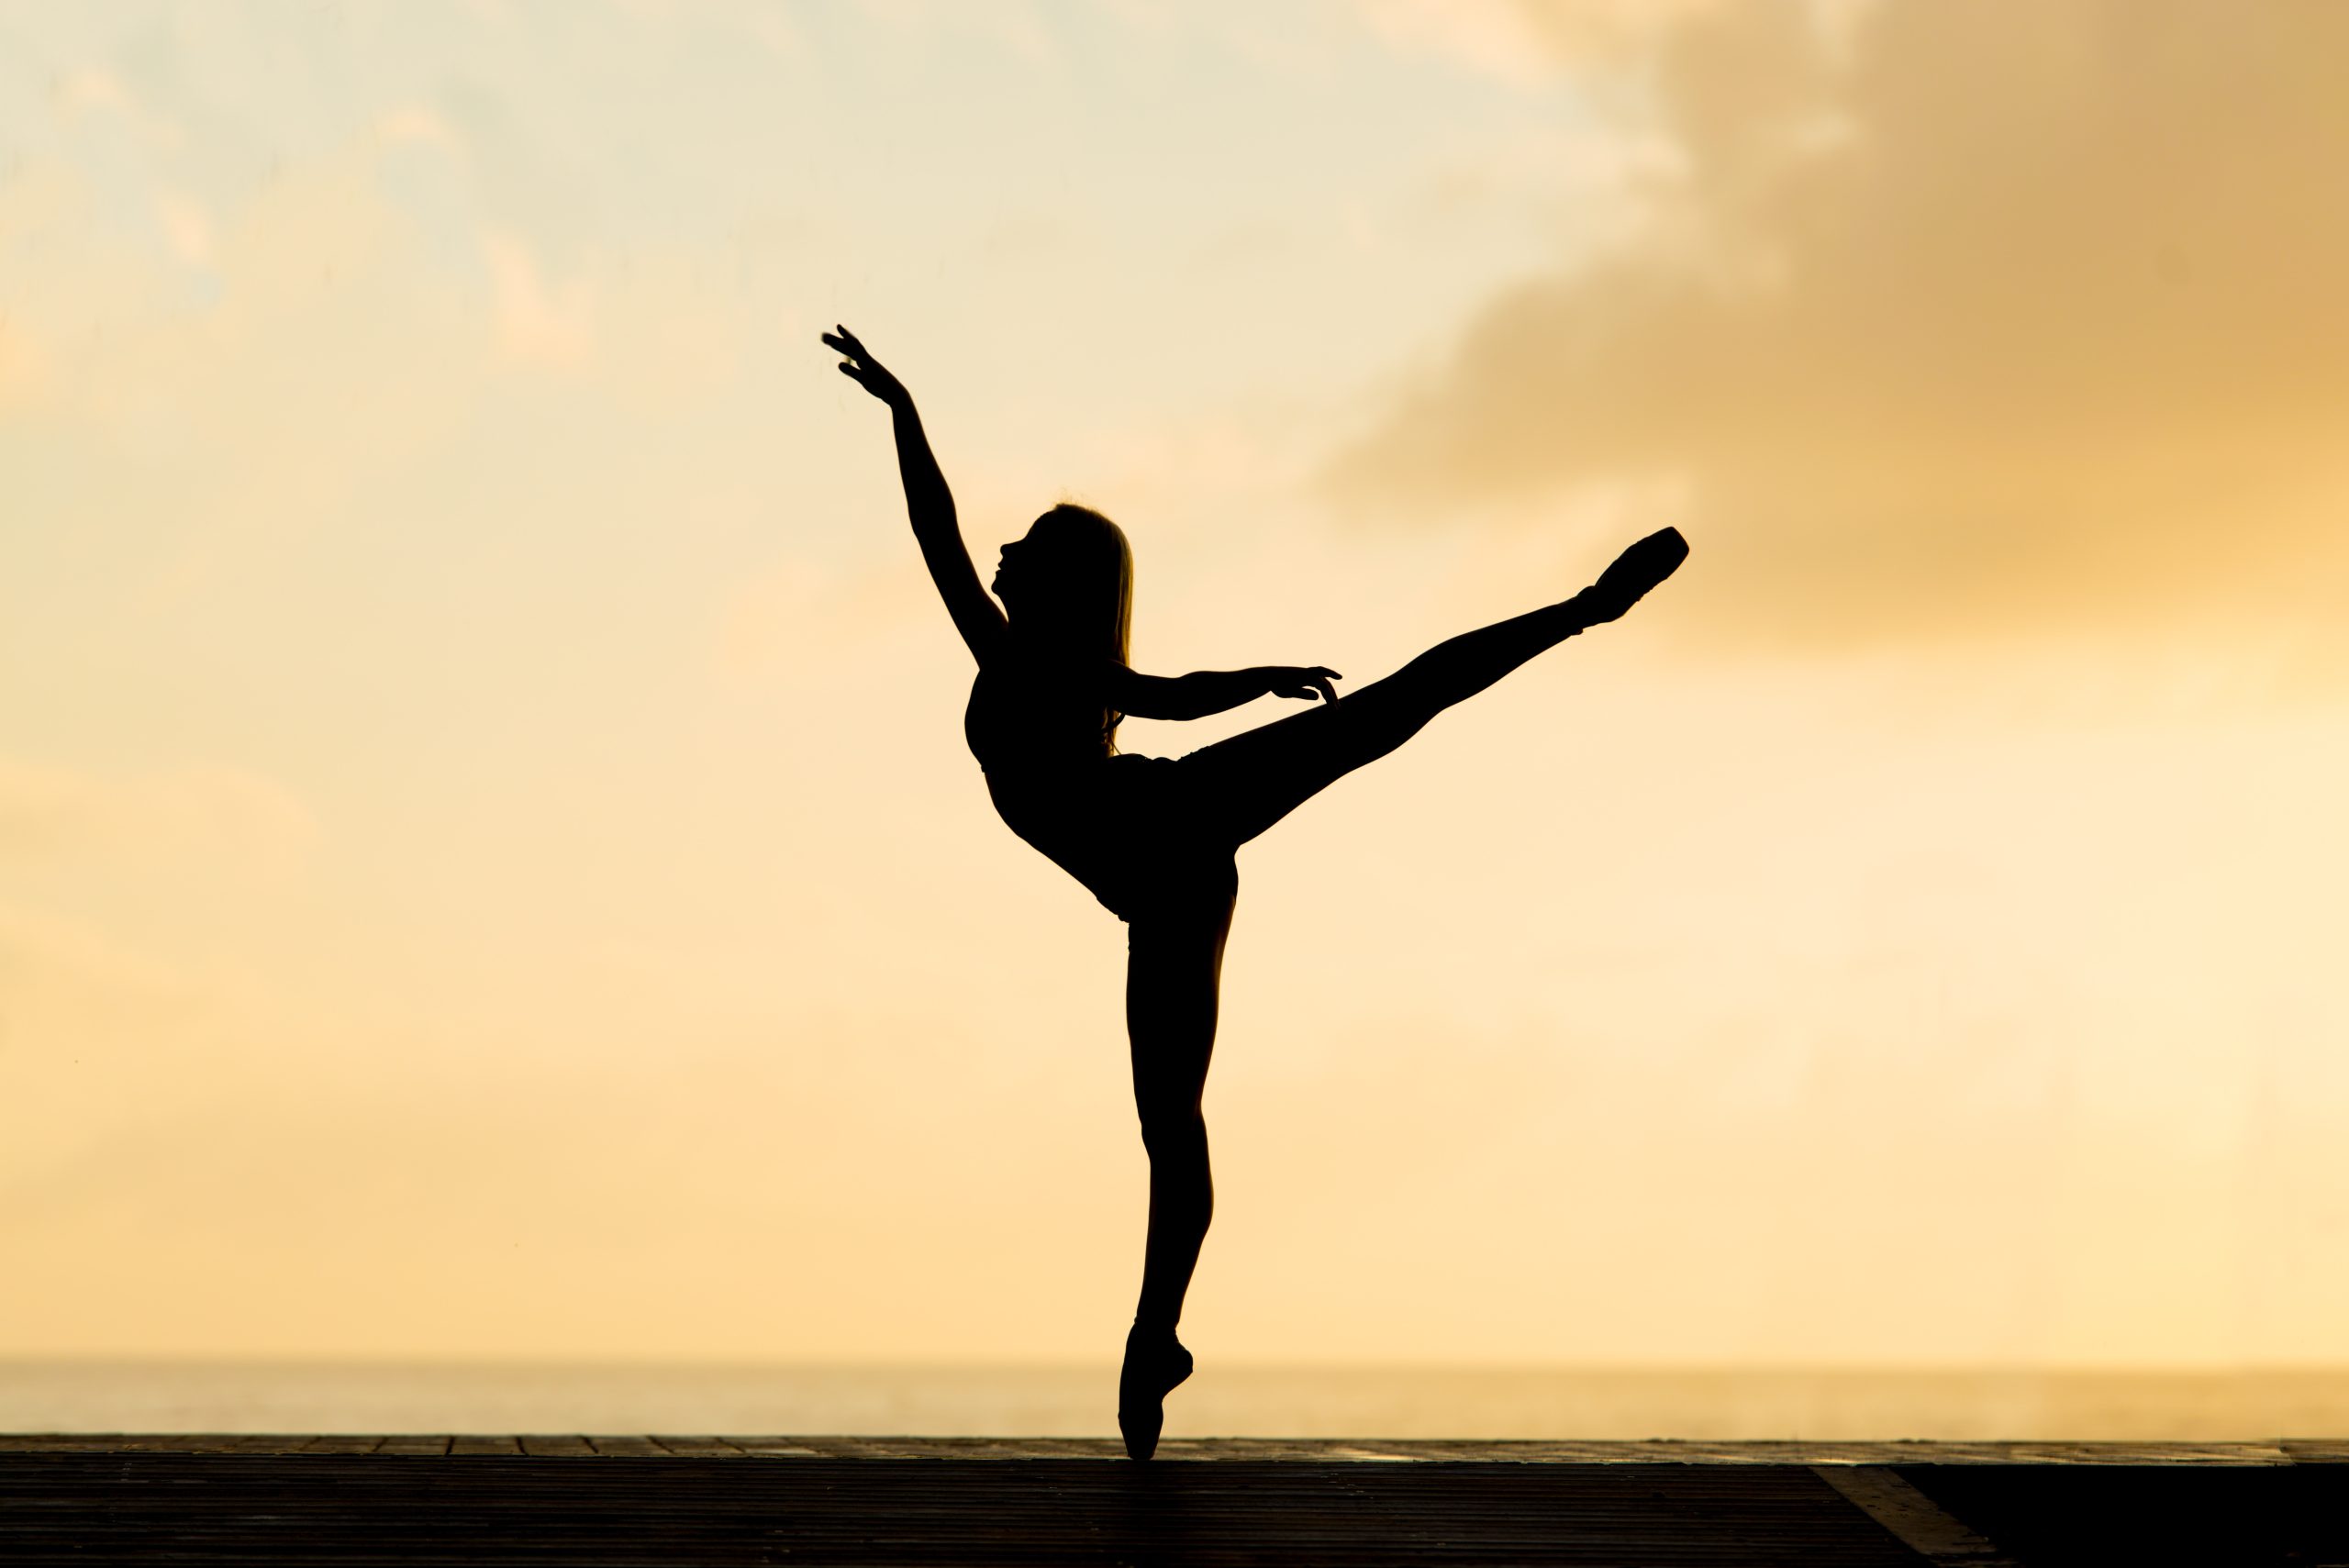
488 865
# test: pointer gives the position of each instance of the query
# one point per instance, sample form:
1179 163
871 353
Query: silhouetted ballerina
1152 838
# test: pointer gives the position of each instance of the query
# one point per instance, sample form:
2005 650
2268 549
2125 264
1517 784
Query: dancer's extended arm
1204 692
928 504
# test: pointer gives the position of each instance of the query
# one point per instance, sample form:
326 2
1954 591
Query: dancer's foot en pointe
1628 578
1157 1363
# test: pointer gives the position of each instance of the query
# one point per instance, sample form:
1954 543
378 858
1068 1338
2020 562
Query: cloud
61 972
417 124
89 89
796 616
187 228
1950 320
1522 42
98 1033
48 812
538 322
90 92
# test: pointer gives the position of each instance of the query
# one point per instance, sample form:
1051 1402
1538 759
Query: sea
1715 1404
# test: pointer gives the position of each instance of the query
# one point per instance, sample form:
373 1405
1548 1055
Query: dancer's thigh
1163 860
1173 974
1244 784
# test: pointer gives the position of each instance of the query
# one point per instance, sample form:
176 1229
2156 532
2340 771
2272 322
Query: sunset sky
489 866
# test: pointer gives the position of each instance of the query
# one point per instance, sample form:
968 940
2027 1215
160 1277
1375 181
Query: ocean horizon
1239 1400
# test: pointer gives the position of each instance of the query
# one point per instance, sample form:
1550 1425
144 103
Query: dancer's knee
1178 1134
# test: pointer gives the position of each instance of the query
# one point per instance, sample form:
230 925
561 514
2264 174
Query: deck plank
2286 1451
415 1445
263 1498
679 1511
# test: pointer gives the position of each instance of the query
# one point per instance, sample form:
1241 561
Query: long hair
1085 608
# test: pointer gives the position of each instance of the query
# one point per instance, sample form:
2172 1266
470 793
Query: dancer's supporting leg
1258 777
1173 969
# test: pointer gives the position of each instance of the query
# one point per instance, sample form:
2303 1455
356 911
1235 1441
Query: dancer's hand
1633 574
858 365
1306 681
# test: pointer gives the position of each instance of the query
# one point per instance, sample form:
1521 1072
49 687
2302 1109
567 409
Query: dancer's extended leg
1254 779
1173 971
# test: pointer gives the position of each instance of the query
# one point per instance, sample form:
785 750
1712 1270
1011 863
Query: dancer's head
1068 585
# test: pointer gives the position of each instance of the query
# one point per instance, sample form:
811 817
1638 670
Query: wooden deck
689 1500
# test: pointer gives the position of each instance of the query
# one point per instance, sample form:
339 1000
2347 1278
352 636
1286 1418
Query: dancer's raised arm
929 503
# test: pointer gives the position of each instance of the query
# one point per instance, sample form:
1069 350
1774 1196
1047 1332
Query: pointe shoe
1633 572
1154 1368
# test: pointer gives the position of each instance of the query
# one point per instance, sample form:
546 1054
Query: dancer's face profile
1042 565
1010 569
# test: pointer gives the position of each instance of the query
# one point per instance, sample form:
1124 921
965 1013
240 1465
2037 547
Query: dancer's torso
1035 721
1039 732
